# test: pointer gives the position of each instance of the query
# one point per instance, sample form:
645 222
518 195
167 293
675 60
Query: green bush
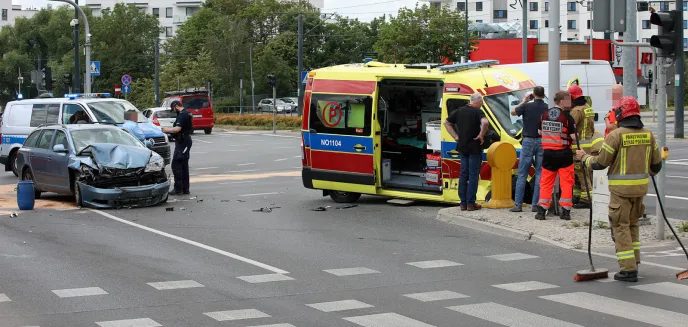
261 121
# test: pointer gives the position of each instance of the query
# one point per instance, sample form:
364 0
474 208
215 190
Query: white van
21 117
596 79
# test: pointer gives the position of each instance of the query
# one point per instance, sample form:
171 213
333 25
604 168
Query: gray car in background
102 166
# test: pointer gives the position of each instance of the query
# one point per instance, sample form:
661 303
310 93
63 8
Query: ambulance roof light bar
468 65
86 95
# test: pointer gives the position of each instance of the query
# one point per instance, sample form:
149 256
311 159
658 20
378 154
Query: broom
682 274
592 273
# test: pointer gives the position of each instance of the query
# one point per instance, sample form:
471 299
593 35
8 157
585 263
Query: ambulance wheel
344 197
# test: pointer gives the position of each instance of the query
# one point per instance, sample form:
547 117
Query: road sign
304 77
95 68
126 89
602 15
118 89
126 79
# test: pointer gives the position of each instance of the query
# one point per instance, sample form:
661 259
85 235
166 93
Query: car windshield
501 106
288 100
113 111
85 137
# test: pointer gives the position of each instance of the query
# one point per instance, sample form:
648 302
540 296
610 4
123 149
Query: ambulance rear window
341 114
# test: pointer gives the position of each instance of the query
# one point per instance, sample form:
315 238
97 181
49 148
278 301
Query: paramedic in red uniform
558 130
471 126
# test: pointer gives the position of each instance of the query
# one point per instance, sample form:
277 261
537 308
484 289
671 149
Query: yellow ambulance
376 128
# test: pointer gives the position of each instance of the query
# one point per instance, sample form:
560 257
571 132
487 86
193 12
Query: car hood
117 156
149 130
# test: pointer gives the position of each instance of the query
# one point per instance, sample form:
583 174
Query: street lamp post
87 44
241 89
589 7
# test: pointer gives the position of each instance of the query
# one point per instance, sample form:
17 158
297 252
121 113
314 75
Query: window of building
533 6
156 12
533 24
499 14
645 40
461 6
168 12
589 24
192 10
4 14
685 43
685 6
546 23
546 5
664 5
571 24
168 31
479 6
571 6
685 24
436 5
646 25
479 21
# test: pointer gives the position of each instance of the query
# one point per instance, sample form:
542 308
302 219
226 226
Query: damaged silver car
102 166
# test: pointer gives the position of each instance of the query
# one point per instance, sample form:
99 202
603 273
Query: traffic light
273 80
48 78
666 41
67 79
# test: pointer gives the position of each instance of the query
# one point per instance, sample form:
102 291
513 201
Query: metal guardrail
248 110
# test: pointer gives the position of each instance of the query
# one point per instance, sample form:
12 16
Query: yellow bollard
501 157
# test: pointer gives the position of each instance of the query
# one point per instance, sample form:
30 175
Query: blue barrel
26 197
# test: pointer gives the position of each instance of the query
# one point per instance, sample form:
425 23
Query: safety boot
565 214
540 215
582 205
627 276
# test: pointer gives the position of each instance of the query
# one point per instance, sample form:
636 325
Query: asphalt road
218 262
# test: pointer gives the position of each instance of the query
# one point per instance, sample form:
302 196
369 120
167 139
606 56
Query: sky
362 9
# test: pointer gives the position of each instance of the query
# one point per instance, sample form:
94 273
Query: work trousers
565 184
623 215
581 187
180 164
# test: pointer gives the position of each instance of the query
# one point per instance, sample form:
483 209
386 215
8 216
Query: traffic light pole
679 83
274 109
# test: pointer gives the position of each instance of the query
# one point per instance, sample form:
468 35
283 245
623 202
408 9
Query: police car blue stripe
341 143
14 139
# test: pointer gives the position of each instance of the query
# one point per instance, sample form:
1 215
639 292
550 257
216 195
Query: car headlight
156 163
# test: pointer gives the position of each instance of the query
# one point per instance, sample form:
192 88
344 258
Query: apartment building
171 13
575 16
9 12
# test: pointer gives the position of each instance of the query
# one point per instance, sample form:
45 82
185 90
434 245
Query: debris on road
263 210
321 208
242 201
225 200
201 200
182 208
169 209
13 215
193 198
348 206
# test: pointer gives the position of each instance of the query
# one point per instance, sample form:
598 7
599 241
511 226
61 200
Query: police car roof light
87 95
467 65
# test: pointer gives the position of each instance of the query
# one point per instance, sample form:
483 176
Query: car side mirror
59 148
148 144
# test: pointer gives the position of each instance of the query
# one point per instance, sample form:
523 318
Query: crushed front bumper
117 197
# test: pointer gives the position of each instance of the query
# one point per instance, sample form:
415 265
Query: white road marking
265 278
142 322
508 316
4 298
665 288
275 325
194 243
239 182
281 159
436 296
284 136
257 194
351 271
297 156
246 164
681 177
204 168
511 256
74 292
386 320
239 171
203 141
172 285
434 264
339 305
236 314
669 196
621 309
525 286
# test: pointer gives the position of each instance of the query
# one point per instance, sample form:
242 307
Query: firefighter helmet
575 91
629 107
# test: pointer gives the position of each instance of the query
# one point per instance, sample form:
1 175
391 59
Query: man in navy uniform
182 147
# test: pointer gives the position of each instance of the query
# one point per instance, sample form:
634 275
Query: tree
424 34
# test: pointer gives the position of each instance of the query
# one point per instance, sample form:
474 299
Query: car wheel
77 194
28 176
344 197
13 162
208 130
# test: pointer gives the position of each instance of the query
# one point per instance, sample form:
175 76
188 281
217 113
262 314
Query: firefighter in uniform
590 142
558 131
632 155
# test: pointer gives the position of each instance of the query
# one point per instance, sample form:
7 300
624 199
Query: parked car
23 116
162 117
266 105
292 102
197 102
102 166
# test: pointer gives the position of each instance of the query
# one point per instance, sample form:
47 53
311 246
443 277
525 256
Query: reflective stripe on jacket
584 116
555 132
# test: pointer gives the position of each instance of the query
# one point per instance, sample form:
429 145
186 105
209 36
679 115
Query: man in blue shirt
131 124
531 147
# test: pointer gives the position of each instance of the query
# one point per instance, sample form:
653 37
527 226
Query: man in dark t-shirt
183 126
471 126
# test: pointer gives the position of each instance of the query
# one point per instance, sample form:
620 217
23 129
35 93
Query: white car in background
162 117
292 102
266 105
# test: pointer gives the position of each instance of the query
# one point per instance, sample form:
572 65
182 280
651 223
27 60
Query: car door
41 156
57 172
